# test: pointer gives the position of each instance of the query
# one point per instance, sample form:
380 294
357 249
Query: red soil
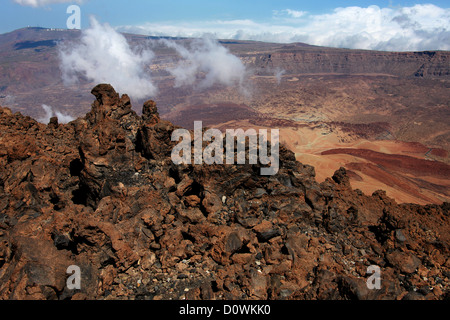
398 163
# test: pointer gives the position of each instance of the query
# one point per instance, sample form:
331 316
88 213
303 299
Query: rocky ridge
102 193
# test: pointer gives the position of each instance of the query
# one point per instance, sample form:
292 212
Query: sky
372 24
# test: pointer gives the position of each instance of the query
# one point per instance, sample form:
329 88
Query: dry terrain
384 116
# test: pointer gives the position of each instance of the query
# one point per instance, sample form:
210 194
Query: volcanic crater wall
433 64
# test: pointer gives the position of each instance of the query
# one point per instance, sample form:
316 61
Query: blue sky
371 24
14 15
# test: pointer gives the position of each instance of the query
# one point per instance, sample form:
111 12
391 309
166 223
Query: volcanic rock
102 193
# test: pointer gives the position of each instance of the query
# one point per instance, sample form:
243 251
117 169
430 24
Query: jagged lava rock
102 193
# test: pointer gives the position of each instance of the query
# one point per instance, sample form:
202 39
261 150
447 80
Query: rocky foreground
102 193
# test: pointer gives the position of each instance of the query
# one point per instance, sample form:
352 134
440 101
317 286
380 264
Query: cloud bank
419 27
40 3
104 55
206 60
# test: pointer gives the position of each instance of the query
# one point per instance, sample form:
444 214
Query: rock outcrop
102 193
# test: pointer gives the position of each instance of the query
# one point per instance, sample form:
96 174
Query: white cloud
419 27
210 61
104 56
225 29
49 112
413 28
292 13
40 3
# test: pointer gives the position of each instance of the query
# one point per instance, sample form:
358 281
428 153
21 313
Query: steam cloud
279 74
49 112
208 58
104 55
40 3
